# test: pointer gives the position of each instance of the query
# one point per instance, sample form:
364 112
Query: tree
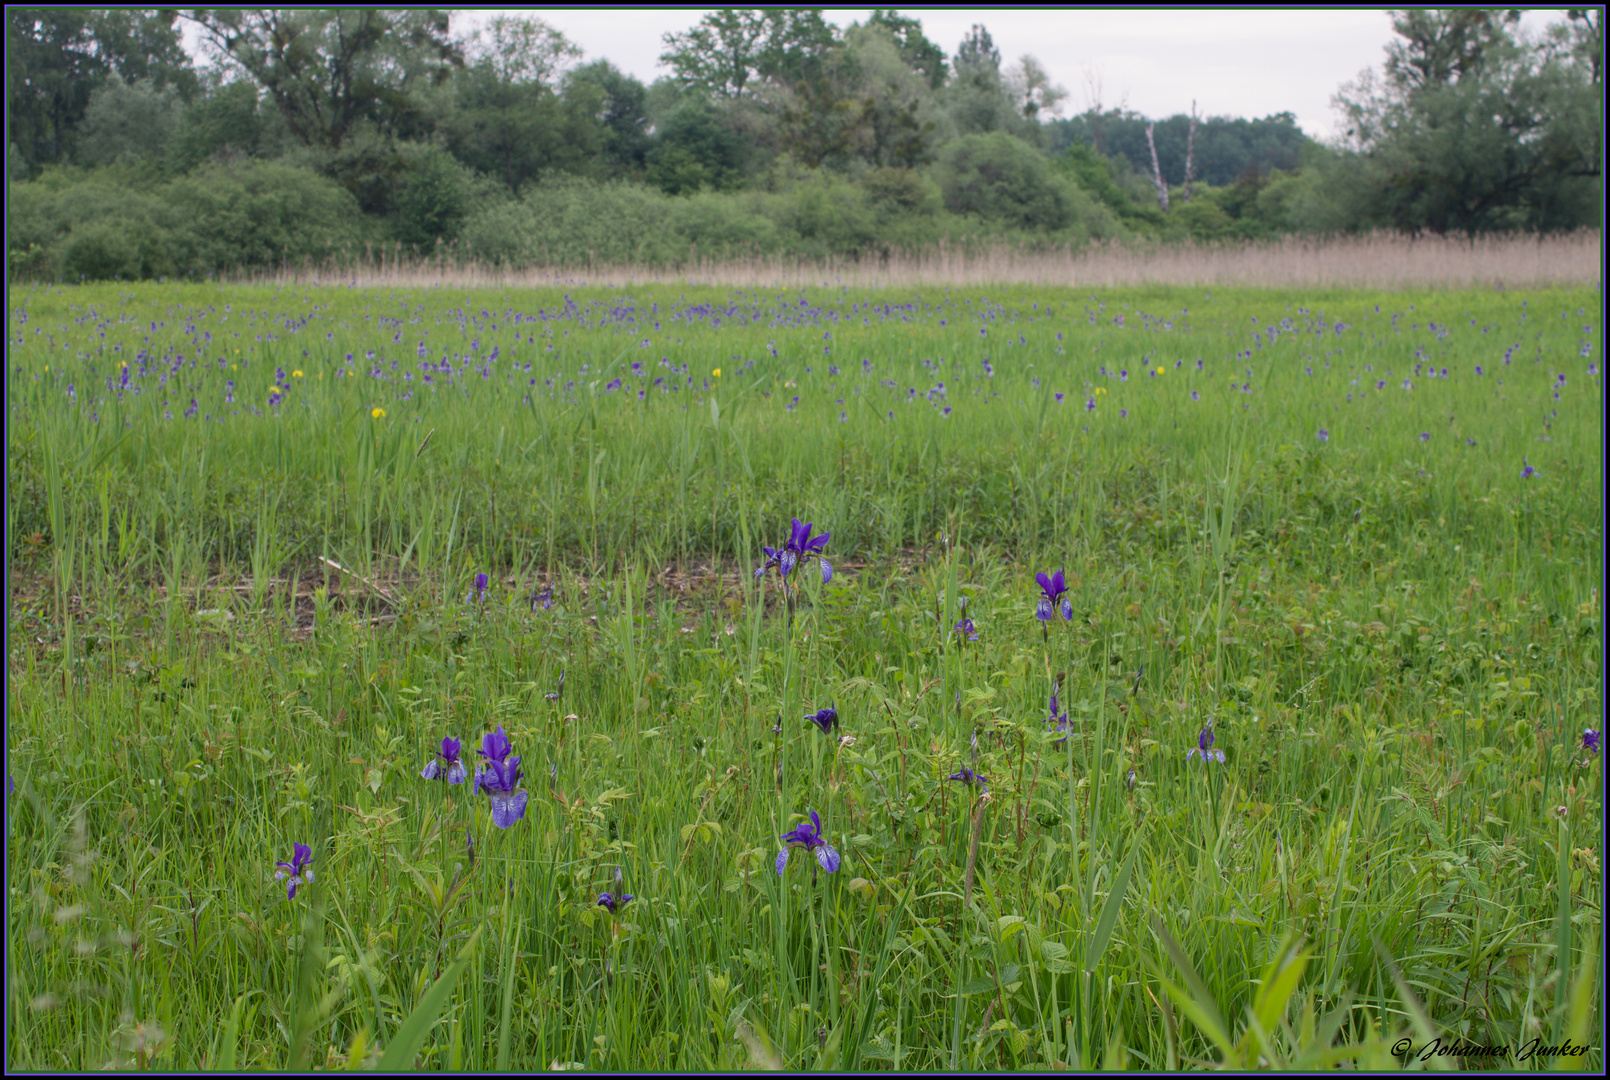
696 148
618 104
977 57
56 58
331 70
1439 47
732 50
1032 91
900 118
522 50
918 53
1473 130
978 98
514 131
128 121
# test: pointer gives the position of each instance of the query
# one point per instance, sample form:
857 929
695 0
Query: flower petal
507 808
786 562
1042 610
431 770
455 772
828 857
816 823
827 570
782 861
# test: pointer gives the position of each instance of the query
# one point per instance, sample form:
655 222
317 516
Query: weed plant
1289 765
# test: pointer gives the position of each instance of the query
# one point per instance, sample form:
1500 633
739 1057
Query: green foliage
329 70
57 58
1004 179
127 224
1474 131
916 51
731 52
228 123
697 149
1227 148
128 121
434 203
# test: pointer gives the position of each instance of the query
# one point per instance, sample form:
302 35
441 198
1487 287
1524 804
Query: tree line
306 134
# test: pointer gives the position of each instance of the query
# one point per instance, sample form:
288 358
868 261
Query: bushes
117 223
261 215
1000 178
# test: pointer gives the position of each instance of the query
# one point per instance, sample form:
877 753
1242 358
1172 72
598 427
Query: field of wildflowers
682 678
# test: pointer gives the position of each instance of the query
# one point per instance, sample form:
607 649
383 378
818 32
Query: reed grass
1368 261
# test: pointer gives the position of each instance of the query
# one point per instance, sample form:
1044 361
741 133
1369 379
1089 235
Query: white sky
1250 63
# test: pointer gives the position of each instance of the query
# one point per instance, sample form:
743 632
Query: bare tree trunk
1190 153
1157 172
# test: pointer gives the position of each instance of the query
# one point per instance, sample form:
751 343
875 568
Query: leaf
1109 912
226 1053
1197 1003
411 1034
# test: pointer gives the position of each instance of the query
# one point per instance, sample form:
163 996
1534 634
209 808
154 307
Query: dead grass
1377 261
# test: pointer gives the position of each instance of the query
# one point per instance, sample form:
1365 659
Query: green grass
1396 640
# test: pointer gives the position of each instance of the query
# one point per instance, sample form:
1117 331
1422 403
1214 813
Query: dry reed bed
1379 261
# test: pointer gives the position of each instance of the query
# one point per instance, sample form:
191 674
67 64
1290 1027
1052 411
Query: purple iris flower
454 772
966 628
614 903
801 545
827 719
1059 717
810 836
969 777
297 871
1052 586
543 599
1324 435
1203 742
1590 740
494 745
1528 472
479 592
499 780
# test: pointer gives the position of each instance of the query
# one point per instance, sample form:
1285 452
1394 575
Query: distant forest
305 136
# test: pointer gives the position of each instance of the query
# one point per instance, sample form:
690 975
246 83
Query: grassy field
1347 542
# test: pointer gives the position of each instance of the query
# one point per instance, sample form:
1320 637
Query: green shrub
1004 179
112 223
434 202
260 215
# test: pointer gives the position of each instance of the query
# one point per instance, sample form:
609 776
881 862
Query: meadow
1285 766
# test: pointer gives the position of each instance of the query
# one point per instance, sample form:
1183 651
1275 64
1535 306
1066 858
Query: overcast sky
1233 63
